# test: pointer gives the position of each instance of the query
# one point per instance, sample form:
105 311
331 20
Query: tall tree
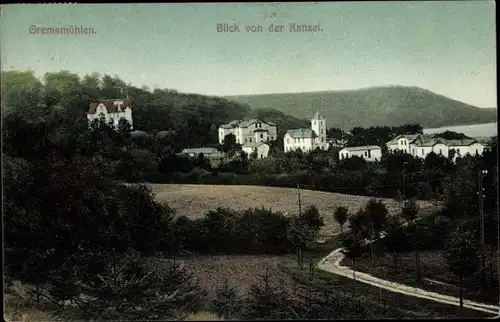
462 256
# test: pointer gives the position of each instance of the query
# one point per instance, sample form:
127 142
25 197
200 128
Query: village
261 161
255 137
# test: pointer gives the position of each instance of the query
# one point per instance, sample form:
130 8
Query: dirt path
331 264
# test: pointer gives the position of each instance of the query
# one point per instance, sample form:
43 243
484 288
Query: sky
446 47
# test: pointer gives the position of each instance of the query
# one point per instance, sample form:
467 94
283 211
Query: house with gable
369 152
260 148
307 139
112 110
421 145
402 142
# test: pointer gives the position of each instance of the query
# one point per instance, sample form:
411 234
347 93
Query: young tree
123 287
296 238
410 210
395 240
341 214
416 235
352 243
462 256
226 301
359 223
266 300
377 214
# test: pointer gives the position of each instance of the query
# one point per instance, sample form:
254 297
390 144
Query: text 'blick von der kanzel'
291 27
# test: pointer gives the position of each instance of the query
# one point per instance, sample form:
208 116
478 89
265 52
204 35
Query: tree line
454 227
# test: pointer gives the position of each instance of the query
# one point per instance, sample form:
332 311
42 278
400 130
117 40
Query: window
261 136
322 131
246 140
366 153
458 151
441 151
322 139
422 151
250 140
477 152
369 154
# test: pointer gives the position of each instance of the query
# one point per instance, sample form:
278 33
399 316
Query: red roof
110 106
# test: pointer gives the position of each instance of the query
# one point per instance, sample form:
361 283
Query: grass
240 271
194 201
203 316
19 305
390 305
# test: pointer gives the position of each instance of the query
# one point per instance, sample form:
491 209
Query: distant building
420 145
112 110
307 139
369 152
194 152
261 148
251 131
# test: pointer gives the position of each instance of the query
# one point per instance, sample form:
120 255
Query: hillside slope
394 105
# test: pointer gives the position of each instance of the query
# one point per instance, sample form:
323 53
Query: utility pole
298 194
403 172
480 194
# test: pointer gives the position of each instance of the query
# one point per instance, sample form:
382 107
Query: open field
194 201
240 271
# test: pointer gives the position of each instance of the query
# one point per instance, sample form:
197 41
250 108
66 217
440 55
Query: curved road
331 264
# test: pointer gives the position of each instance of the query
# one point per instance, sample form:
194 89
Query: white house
369 152
420 145
465 146
112 110
251 131
261 148
307 139
402 142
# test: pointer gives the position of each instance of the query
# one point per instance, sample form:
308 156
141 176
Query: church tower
318 125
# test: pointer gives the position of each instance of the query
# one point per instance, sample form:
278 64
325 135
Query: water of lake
476 130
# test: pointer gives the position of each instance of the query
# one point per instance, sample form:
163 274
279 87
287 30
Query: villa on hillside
420 145
369 152
307 139
112 110
251 131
